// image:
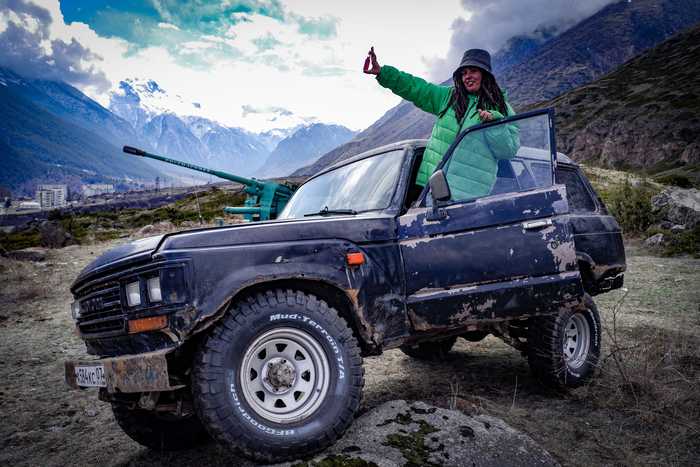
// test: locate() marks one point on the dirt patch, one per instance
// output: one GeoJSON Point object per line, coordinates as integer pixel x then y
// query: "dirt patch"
{"type": "Point", "coordinates": [651, 416]}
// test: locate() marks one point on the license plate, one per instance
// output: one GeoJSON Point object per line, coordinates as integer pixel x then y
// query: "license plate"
{"type": "Point", "coordinates": [90, 376]}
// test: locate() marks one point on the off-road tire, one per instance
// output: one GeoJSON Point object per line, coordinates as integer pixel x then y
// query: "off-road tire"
{"type": "Point", "coordinates": [160, 431]}
{"type": "Point", "coordinates": [547, 336]}
{"type": "Point", "coordinates": [431, 351]}
{"type": "Point", "coordinates": [234, 419]}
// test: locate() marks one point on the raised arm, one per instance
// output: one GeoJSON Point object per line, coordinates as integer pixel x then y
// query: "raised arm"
{"type": "Point", "coordinates": [429, 97]}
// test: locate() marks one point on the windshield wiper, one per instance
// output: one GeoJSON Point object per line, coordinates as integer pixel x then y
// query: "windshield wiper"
{"type": "Point", "coordinates": [331, 212]}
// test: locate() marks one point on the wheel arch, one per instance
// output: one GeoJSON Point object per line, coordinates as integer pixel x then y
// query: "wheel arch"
{"type": "Point", "coordinates": [344, 301]}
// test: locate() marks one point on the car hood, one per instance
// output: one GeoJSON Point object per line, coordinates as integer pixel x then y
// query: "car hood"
{"type": "Point", "coordinates": [361, 228]}
{"type": "Point", "coordinates": [132, 252]}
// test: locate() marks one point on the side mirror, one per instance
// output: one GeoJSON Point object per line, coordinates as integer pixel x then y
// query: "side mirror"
{"type": "Point", "coordinates": [440, 192]}
{"type": "Point", "coordinates": [439, 188]}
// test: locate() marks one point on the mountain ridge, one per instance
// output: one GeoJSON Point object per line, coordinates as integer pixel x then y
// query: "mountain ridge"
{"type": "Point", "coordinates": [42, 147]}
{"type": "Point", "coordinates": [302, 147]}
{"type": "Point", "coordinates": [632, 118]}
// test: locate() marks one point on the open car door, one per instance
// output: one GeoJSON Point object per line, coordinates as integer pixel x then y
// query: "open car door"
{"type": "Point", "coordinates": [503, 254]}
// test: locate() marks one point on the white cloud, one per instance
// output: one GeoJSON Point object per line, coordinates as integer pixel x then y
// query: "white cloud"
{"type": "Point", "coordinates": [314, 79]}
{"type": "Point", "coordinates": [493, 22]}
{"type": "Point", "coordinates": [168, 26]}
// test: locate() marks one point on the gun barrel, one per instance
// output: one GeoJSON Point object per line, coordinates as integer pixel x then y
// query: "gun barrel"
{"type": "Point", "coordinates": [217, 173]}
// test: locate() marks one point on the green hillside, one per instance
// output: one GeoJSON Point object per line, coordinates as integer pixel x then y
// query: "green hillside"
{"type": "Point", "coordinates": [644, 116]}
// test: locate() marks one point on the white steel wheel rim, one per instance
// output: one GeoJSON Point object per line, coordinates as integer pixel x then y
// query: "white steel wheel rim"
{"type": "Point", "coordinates": [577, 340]}
{"type": "Point", "coordinates": [285, 375]}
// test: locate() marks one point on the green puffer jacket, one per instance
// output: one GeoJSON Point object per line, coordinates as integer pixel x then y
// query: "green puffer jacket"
{"type": "Point", "coordinates": [473, 167]}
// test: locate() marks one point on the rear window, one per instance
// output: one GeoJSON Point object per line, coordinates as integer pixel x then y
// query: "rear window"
{"type": "Point", "coordinates": [576, 193]}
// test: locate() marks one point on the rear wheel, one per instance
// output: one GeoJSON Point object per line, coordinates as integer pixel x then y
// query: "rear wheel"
{"type": "Point", "coordinates": [563, 350]}
{"type": "Point", "coordinates": [279, 378]}
{"type": "Point", "coordinates": [432, 351]}
{"type": "Point", "coordinates": [160, 431]}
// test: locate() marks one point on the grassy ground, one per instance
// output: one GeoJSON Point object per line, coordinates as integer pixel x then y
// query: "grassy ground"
{"type": "Point", "coordinates": [643, 409]}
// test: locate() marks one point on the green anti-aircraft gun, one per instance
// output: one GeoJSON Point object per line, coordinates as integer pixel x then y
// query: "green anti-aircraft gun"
{"type": "Point", "coordinates": [265, 200]}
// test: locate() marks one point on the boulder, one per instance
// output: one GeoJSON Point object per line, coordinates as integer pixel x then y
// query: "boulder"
{"type": "Point", "coordinates": [655, 240]}
{"type": "Point", "coordinates": [29, 254]}
{"type": "Point", "coordinates": [678, 206]}
{"type": "Point", "coordinates": [145, 230]}
{"type": "Point", "coordinates": [399, 433]}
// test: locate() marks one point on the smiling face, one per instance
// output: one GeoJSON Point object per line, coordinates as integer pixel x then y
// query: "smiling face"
{"type": "Point", "coordinates": [471, 77]}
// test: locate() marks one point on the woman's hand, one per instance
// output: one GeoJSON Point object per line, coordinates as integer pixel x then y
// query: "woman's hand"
{"type": "Point", "coordinates": [371, 60]}
{"type": "Point", "coordinates": [485, 116]}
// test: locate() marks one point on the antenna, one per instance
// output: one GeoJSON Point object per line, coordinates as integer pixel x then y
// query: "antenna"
{"type": "Point", "coordinates": [199, 211]}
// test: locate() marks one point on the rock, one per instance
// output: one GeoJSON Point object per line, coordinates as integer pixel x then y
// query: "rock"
{"type": "Point", "coordinates": [158, 227]}
{"type": "Point", "coordinates": [399, 433]}
{"type": "Point", "coordinates": [678, 205]}
{"type": "Point", "coordinates": [655, 240]}
{"type": "Point", "coordinates": [164, 226]}
{"type": "Point", "coordinates": [145, 230]}
{"type": "Point", "coordinates": [677, 228]}
{"type": "Point", "coordinates": [29, 254]}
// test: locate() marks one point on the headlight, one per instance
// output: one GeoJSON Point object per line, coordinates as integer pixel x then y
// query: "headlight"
{"type": "Point", "coordinates": [154, 293]}
{"type": "Point", "coordinates": [75, 310]}
{"type": "Point", "coordinates": [133, 294]}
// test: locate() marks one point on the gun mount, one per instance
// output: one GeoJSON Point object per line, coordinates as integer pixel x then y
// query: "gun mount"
{"type": "Point", "coordinates": [265, 200]}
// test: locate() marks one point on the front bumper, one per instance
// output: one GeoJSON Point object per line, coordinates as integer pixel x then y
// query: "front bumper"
{"type": "Point", "coordinates": [129, 373]}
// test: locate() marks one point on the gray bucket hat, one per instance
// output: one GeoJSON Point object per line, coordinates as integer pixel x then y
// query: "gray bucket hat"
{"type": "Point", "coordinates": [475, 57]}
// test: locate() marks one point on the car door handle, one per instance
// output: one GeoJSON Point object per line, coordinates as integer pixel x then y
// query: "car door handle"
{"type": "Point", "coordinates": [537, 224]}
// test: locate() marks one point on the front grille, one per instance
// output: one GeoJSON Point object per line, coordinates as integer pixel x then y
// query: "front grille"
{"type": "Point", "coordinates": [101, 310]}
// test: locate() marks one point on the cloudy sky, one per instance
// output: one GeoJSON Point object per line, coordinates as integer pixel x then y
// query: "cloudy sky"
{"type": "Point", "coordinates": [261, 64]}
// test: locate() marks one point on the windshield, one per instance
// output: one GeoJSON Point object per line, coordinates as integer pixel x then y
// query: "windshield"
{"type": "Point", "coordinates": [365, 185]}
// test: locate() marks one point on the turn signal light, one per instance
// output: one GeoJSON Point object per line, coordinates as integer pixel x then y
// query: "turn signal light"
{"type": "Point", "coordinates": [147, 324]}
{"type": "Point", "coordinates": [355, 259]}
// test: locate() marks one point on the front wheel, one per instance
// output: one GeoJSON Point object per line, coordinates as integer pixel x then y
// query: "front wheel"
{"type": "Point", "coordinates": [563, 349]}
{"type": "Point", "coordinates": [279, 377]}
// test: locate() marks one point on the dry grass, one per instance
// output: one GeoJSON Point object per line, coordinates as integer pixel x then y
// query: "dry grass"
{"type": "Point", "coordinates": [649, 379]}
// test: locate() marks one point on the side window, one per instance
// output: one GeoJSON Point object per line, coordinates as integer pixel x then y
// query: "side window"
{"type": "Point", "coordinates": [504, 158]}
{"type": "Point", "coordinates": [576, 193]}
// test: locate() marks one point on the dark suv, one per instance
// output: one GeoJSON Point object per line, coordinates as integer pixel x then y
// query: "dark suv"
{"type": "Point", "coordinates": [254, 334]}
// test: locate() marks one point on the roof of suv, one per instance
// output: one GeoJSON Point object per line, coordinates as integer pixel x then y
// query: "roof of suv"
{"type": "Point", "coordinates": [524, 151]}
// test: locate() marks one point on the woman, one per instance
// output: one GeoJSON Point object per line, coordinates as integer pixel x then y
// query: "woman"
{"type": "Point", "coordinates": [475, 98]}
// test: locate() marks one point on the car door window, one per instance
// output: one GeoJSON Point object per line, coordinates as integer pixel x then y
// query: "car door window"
{"type": "Point", "coordinates": [507, 157]}
{"type": "Point", "coordinates": [576, 193]}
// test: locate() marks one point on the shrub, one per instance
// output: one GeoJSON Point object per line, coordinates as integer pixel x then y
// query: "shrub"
{"type": "Point", "coordinates": [631, 206]}
{"type": "Point", "coordinates": [19, 240]}
{"type": "Point", "coordinates": [678, 180]}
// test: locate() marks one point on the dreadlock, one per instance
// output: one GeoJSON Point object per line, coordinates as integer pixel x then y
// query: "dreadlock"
{"type": "Point", "coordinates": [490, 96]}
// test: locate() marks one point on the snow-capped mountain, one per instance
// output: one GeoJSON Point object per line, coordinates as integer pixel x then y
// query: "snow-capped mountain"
{"type": "Point", "coordinates": [171, 126]}
{"type": "Point", "coordinates": [174, 127]}
{"type": "Point", "coordinates": [138, 100]}
{"type": "Point", "coordinates": [303, 147]}
{"type": "Point", "coordinates": [232, 149]}
{"type": "Point", "coordinates": [271, 138]}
